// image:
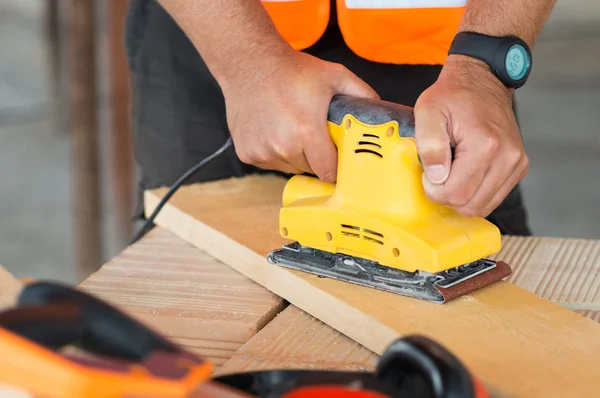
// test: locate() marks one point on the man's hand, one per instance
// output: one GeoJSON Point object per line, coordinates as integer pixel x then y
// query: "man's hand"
{"type": "Point", "coordinates": [470, 110]}
{"type": "Point", "coordinates": [276, 98]}
{"type": "Point", "coordinates": [278, 115]}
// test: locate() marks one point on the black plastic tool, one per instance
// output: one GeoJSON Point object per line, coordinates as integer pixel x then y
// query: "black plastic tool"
{"type": "Point", "coordinates": [54, 315]}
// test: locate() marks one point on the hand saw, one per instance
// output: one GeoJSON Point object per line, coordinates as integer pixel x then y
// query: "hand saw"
{"type": "Point", "coordinates": [118, 357]}
{"type": "Point", "coordinates": [375, 226]}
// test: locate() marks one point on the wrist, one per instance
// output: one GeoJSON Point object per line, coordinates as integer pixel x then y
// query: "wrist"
{"type": "Point", "coordinates": [250, 62]}
{"type": "Point", "coordinates": [468, 70]}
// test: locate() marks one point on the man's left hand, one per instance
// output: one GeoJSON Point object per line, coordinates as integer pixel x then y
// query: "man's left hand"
{"type": "Point", "coordinates": [469, 109]}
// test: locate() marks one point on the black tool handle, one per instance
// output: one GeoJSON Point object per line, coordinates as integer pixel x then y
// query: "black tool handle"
{"type": "Point", "coordinates": [55, 315]}
{"type": "Point", "coordinates": [373, 112]}
{"type": "Point", "coordinates": [52, 326]}
{"type": "Point", "coordinates": [428, 366]}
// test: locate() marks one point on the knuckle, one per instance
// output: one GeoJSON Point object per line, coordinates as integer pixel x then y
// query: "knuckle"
{"type": "Point", "coordinates": [285, 148]}
{"type": "Point", "coordinates": [432, 146]}
{"type": "Point", "coordinates": [525, 161]}
{"type": "Point", "coordinates": [281, 149]}
{"type": "Point", "coordinates": [339, 68]}
{"type": "Point", "coordinates": [244, 156]}
{"type": "Point", "coordinates": [304, 131]}
{"type": "Point", "coordinates": [458, 198]}
{"type": "Point", "coordinates": [468, 212]}
{"type": "Point", "coordinates": [514, 156]}
{"type": "Point", "coordinates": [437, 196]}
{"type": "Point", "coordinates": [491, 144]}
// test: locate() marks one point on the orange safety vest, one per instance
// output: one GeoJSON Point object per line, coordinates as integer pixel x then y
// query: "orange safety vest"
{"type": "Point", "coordinates": [388, 31]}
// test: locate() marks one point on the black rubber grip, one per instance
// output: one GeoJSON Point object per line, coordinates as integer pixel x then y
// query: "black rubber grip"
{"type": "Point", "coordinates": [51, 326]}
{"type": "Point", "coordinates": [372, 112]}
{"type": "Point", "coordinates": [55, 315]}
{"type": "Point", "coordinates": [428, 365]}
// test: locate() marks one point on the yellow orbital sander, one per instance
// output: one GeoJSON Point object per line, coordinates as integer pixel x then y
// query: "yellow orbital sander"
{"type": "Point", "coordinates": [375, 226]}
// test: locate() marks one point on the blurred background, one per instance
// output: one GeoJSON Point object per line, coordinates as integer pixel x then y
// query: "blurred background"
{"type": "Point", "coordinates": [67, 175]}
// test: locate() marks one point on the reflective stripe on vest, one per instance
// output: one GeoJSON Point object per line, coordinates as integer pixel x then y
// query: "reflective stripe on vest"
{"type": "Point", "coordinates": [388, 31]}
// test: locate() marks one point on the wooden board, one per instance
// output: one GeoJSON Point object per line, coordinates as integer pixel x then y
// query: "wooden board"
{"type": "Point", "coordinates": [516, 341]}
{"type": "Point", "coordinates": [296, 340]}
{"type": "Point", "coordinates": [189, 296]}
{"type": "Point", "coordinates": [9, 289]}
{"type": "Point", "coordinates": [565, 271]}
{"type": "Point", "coordinates": [593, 315]}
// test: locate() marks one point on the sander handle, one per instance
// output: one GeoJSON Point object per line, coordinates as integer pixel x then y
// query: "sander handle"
{"type": "Point", "coordinates": [373, 112]}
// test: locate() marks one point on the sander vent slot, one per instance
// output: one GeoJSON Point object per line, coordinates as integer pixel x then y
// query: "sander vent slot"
{"type": "Point", "coordinates": [370, 136]}
{"type": "Point", "coordinates": [354, 232]}
{"type": "Point", "coordinates": [372, 240]}
{"type": "Point", "coordinates": [369, 151]}
{"type": "Point", "coordinates": [369, 143]}
{"type": "Point", "coordinates": [348, 230]}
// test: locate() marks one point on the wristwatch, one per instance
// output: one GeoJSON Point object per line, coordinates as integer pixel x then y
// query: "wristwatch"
{"type": "Point", "coordinates": [508, 57]}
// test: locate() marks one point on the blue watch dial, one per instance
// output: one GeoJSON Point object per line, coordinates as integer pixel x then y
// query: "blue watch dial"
{"type": "Point", "coordinates": [517, 62]}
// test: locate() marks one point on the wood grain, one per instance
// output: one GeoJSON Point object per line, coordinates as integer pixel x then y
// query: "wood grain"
{"type": "Point", "coordinates": [9, 289]}
{"type": "Point", "coordinates": [296, 340]}
{"type": "Point", "coordinates": [185, 294]}
{"type": "Point", "coordinates": [566, 271]}
{"type": "Point", "coordinates": [593, 315]}
{"type": "Point", "coordinates": [515, 340]}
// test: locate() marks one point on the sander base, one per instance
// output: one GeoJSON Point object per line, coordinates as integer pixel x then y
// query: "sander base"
{"type": "Point", "coordinates": [438, 287]}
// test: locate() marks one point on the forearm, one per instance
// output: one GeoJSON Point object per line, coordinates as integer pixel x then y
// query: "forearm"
{"type": "Point", "coordinates": [233, 37]}
{"type": "Point", "coordinates": [522, 18]}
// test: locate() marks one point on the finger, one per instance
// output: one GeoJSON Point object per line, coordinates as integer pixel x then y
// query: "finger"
{"type": "Point", "coordinates": [504, 191]}
{"type": "Point", "coordinates": [300, 162]}
{"type": "Point", "coordinates": [433, 142]}
{"type": "Point", "coordinates": [321, 155]}
{"type": "Point", "coordinates": [280, 165]}
{"type": "Point", "coordinates": [349, 84]}
{"type": "Point", "coordinates": [497, 183]}
{"type": "Point", "coordinates": [472, 161]}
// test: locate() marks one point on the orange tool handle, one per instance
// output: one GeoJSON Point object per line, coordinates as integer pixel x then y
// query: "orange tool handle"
{"type": "Point", "coordinates": [129, 359]}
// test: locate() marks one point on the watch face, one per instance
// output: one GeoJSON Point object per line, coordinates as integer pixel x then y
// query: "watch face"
{"type": "Point", "coordinates": [517, 62]}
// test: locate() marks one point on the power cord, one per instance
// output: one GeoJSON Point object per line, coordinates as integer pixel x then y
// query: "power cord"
{"type": "Point", "coordinates": [176, 185]}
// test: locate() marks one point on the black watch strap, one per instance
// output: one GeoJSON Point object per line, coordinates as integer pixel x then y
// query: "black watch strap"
{"type": "Point", "coordinates": [508, 57]}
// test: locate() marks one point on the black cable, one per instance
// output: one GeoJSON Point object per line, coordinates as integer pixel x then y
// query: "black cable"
{"type": "Point", "coordinates": [176, 185]}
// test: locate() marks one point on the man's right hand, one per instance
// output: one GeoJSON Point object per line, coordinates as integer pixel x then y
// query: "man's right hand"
{"type": "Point", "coordinates": [278, 117]}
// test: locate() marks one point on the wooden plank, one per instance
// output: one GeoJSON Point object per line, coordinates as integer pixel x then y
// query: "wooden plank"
{"type": "Point", "coordinates": [9, 288]}
{"type": "Point", "coordinates": [517, 341]}
{"type": "Point", "coordinates": [296, 340]}
{"type": "Point", "coordinates": [185, 294]}
{"type": "Point", "coordinates": [593, 315]}
{"type": "Point", "coordinates": [566, 271]}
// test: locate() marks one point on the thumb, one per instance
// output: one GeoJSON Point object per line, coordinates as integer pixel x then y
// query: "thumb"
{"type": "Point", "coordinates": [349, 84]}
{"type": "Point", "coordinates": [433, 142]}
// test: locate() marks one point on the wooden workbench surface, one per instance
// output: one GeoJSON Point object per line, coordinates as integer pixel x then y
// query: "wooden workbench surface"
{"type": "Point", "coordinates": [193, 299]}
{"type": "Point", "coordinates": [506, 332]}
{"type": "Point", "coordinates": [210, 308]}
